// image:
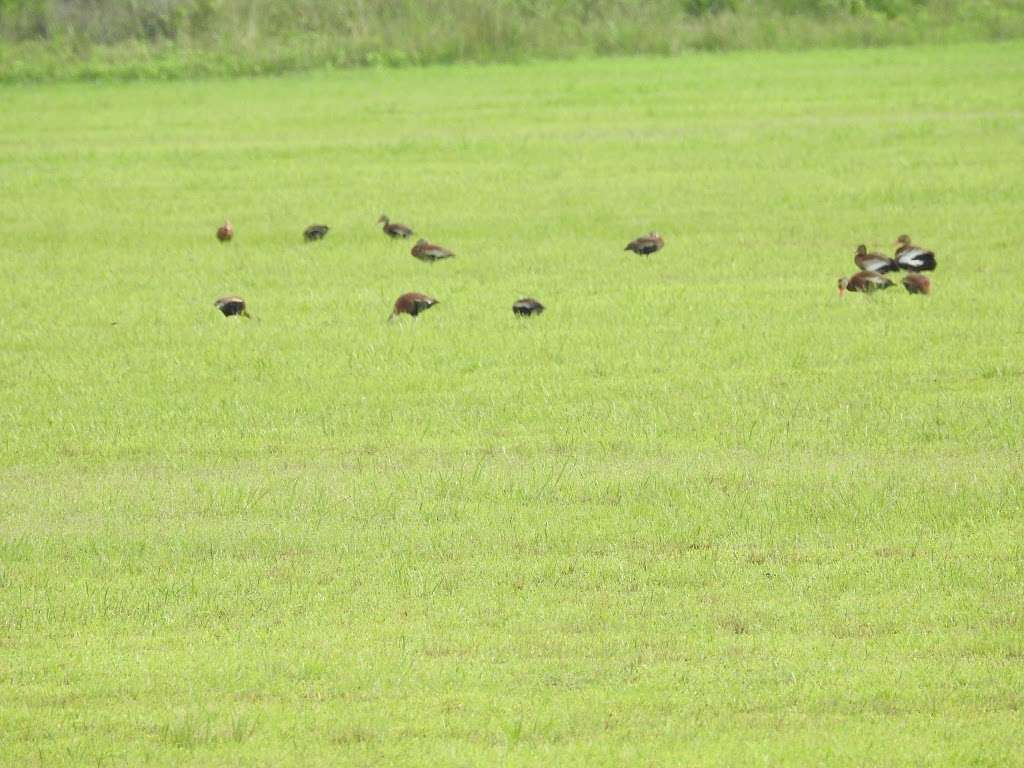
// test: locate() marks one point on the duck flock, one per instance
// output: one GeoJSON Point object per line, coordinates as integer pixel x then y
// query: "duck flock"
{"type": "Point", "coordinates": [908, 257]}
{"type": "Point", "coordinates": [873, 268]}
{"type": "Point", "coordinates": [413, 303]}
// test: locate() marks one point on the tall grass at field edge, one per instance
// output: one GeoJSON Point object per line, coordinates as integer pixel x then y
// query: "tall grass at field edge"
{"type": "Point", "coordinates": [47, 41]}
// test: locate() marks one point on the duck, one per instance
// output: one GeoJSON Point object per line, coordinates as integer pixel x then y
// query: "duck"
{"type": "Point", "coordinates": [873, 262]}
{"type": "Point", "coordinates": [412, 303]}
{"type": "Point", "coordinates": [231, 306]}
{"type": "Point", "coordinates": [315, 232]}
{"type": "Point", "coordinates": [911, 257]}
{"type": "Point", "coordinates": [527, 307]}
{"type": "Point", "coordinates": [915, 283]}
{"type": "Point", "coordinates": [393, 229]}
{"type": "Point", "coordinates": [864, 282]}
{"type": "Point", "coordinates": [429, 252]}
{"type": "Point", "coordinates": [225, 231]}
{"type": "Point", "coordinates": [647, 244]}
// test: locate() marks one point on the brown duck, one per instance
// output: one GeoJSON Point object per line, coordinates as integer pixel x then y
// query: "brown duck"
{"type": "Point", "coordinates": [393, 229]}
{"type": "Point", "coordinates": [225, 231]}
{"type": "Point", "coordinates": [412, 304]}
{"type": "Point", "coordinates": [864, 282]}
{"type": "Point", "coordinates": [231, 306]}
{"type": "Point", "coordinates": [873, 262]}
{"type": "Point", "coordinates": [911, 257]}
{"type": "Point", "coordinates": [647, 244]}
{"type": "Point", "coordinates": [315, 232]}
{"type": "Point", "coordinates": [429, 252]}
{"type": "Point", "coordinates": [527, 307]}
{"type": "Point", "coordinates": [915, 283]}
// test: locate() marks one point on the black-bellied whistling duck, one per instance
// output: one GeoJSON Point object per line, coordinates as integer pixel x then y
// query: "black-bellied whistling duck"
{"type": "Point", "coordinates": [225, 231]}
{"type": "Point", "coordinates": [315, 232]}
{"type": "Point", "coordinates": [647, 244]}
{"type": "Point", "coordinates": [393, 229]}
{"type": "Point", "coordinates": [412, 304]}
{"type": "Point", "coordinates": [231, 305]}
{"type": "Point", "coordinates": [915, 283]}
{"type": "Point", "coordinates": [873, 262]}
{"type": "Point", "coordinates": [527, 307]}
{"type": "Point", "coordinates": [864, 282]}
{"type": "Point", "coordinates": [911, 257]}
{"type": "Point", "coordinates": [429, 252]}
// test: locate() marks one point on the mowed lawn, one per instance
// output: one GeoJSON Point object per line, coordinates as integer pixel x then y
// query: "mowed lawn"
{"type": "Point", "coordinates": [700, 512]}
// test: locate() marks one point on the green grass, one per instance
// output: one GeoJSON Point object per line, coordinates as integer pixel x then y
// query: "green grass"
{"type": "Point", "coordinates": [700, 512]}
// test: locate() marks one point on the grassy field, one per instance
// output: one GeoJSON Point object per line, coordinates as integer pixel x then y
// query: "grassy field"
{"type": "Point", "coordinates": [700, 512]}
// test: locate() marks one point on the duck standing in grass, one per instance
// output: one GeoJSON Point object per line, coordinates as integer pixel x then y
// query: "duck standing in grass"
{"type": "Point", "coordinates": [225, 231]}
{"type": "Point", "coordinates": [527, 307]}
{"type": "Point", "coordinates": [315, 232]}
{"type": "Point", "coordinates": [429, 252]}
{"type": "Point", "coordinates": [231, 306]}
{"type": "Point", "coordinates": [647, 244]}
{"type": "Point", "coordinates": [412, 303]}
{"type": "Point", "coordinates": [913, 258]}
{"type": "Point", "coordinates": [915, 283]}
{"type": "Point", "coordinates": [393, 229]}
{"type": "Point", "coordinates": [873, 262]}
{"type": "Point", "coordinates": [864, 282]}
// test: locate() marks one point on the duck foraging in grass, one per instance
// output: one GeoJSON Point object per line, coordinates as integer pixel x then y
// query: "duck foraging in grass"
{"type": "Point", "coordinates": [225, 231]}
{"type": "Point", "coordinates": [915, 283]}
{"type": "Point", "coordinates": [527, 307]}
{"type": "Point", "coordinates": [429, 252]}
{"type": "Point", "coordinates": [913, 258]}
{"type": "Point", "coordinates": [315, 232]}
{"type": "Point", "coordinates": [873, 262]}
{"type": "Point", "coordinates": [393, 229]}
{"type": "Point", "coordinates": [231, 306]}
{"type": "Point", "coordinates": [647, 244]}
{"type": "Point", "coordinates": [412, 303]}
{"type": "Point", "coordinates": [864, 282]}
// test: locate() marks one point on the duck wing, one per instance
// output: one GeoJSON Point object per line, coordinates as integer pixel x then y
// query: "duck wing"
{"type": "Point", "coordinates": [915, 259]}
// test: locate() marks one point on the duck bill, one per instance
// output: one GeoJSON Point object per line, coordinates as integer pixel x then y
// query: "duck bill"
{"type": "Point", "coordinates": [842, 293]}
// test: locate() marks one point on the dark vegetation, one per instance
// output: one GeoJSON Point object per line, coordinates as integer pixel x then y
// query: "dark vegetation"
{"type": "Point", "coordinates": [41, 39]}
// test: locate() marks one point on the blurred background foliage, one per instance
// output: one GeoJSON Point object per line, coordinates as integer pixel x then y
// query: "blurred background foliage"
{"type": "Point", "coordinates": [161, 38]}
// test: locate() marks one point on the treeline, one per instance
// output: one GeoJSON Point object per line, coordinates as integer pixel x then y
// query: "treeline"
{"type": "Point", "coordinates": [140, 38]}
